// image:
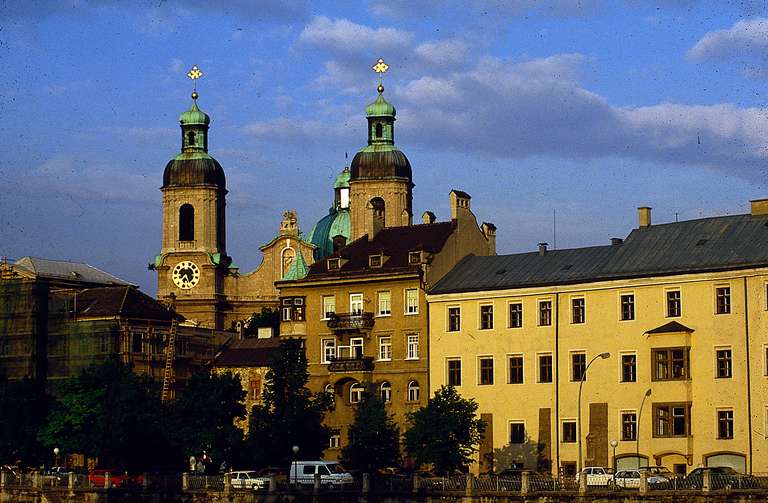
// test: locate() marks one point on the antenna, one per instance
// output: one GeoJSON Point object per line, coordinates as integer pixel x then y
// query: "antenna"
{"type": "Point", "coordinates": [554, 229]}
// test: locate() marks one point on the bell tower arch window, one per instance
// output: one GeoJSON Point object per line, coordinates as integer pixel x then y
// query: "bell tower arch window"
{"type": "Point", "coordinates": [186, 222]}
{"type": "Point", "coordinates": [191, 139]}
{"type": "Point", "coordinates": [379, 130]}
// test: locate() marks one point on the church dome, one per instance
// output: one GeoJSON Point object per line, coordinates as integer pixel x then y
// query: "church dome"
{"type": "Point", "coordinates": [381, 162]}
{"type": "Point", "coordinates": [380, 107]}
{"type": "Point", "coordinates": [335, 223]}
{"type": "Point", "coordinates": [194, 168]}
{"type": "Point", "coordinates": [194, 116]}
{"type": "Point", "coordinates": [342, 181]}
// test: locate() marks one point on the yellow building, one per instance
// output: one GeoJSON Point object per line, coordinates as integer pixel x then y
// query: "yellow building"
{"type": "Point", "coordinates": [673, 321]}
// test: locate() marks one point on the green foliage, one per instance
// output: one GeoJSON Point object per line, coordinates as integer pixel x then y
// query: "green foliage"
{"type": "Point", "coordinates": [202, 416]}
{"type": "Point", "coordinates": [23, 409]}
{"type": "Point", "coordinates": [289, 415]}
{"type": "Point", "coordinates": [110, 413]}
{"type": "Point", "coordinates": [267, 318]}
{"type": "Point", "coordinates": [445, 432]}
{"type": "Point", "coordinates": [374, 438]}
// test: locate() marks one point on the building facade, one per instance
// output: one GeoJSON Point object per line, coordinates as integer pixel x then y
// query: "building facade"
{"type": "Point", "coordinates": [671, 323]}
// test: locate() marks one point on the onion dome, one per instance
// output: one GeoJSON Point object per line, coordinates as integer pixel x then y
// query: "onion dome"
{"type": "Point", "coordinates": [342, 181]}
{"type": "Point", "coordinates": [380, 107]}
{"type": "Point", "coordinates": [336, 223]}
{"type": "Point", "coordinates": [194, 116]}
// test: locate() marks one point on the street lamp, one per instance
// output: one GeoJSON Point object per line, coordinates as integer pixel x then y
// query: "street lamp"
{"type": "Point", "coordinates": [614, 444]}
{"type": "Point", "coordinates": [295, 450]}
{"type": "Point", "coordinates": [602, 356]}
{"type": "Point", "coordinates": [637, 433]}
{"type": "Point", "coordinates": [56, 452]}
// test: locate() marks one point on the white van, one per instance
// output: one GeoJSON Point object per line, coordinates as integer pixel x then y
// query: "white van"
{"type": "Point", "coordinates": [331, 473]}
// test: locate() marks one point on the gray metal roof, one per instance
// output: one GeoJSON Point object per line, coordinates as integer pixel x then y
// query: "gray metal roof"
{"type": "Point", "coordinates": [72, 271]}
{"type": "Point", "coordinates": [707, 244]}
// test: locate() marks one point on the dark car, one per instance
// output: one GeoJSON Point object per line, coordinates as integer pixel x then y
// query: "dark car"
{"type": "Point", "coordinates": [722, 477]}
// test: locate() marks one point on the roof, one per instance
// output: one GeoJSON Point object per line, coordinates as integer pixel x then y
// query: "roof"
{"type": "Point", "coordinates": [380, 107]}
{"type": "Point", "coordinates": [671, 327]}
{"type": "Point", "coordinates": [65, 270]}
{"type": "Point", "coordinates": [335, 223]}
{"type": "Point", "coordinates": [194, 116]}
{"type": "Point", "coordinates": [251, 352]}
{"type": "Point", "coordinates": [380, 161]}
{"type": "Point", "coordinates": [392, 242]}
{"type": "Point", "coordinates": [707, 244]}
{"type": "Point", "coordinates": [298, 269]}
{"type": "Point", "coordinates": [194, 168]}
{"type": "Point", "coordinates": [123, 301]}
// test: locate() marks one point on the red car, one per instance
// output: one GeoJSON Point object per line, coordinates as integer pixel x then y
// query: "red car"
{"type": "Point", "coordinates": [98, 477]}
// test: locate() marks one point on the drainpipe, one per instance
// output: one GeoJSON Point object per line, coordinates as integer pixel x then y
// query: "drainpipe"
{"type": "Point", "coordinates": [749, 375]}
{"type": "Point", "coordinates": [557, 382]}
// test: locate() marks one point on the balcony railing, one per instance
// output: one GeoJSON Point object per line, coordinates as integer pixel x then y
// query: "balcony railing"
{"type": "Point", "coordinates": [351, 321]}
{"type": "Point", "coordinates": [351, 364]}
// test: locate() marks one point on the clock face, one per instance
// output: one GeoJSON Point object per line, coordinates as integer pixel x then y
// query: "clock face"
{"type": "Point", "coordinates": [186, 275]}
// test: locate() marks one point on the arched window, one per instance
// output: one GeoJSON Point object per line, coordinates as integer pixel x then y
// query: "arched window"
{"type": "Point", "coordinates": [378, 206]}
{"type": "Point", "coordinates": [413, 391]}
{"type": "Point", "coordinates": [379, 130]}
{"type": "Point", "coordinates": [191, 139]}
{"type": "Point", "coordinates": [289, 254]}
{"type": "Point", "coordinates": [330, 392]}
{"type": "Point", "coordinates": [355, 393]}
{"type": "Point", "coordinates": [186, 223]}
{"type": "Point", "coordinates": [386, 392]}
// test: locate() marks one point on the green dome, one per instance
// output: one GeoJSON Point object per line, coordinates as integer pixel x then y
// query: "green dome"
{"type": "Point", "coordinates": [380, 107]}
{"type": "Point", "coordinates": [194, 116]}
{"type": "Point", "coordinates": [342, 181]}
{"type": "Point", "coordinates": [335, 223]}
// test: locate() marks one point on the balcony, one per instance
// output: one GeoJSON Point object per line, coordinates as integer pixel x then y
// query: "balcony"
{"type": "Point", "coordinates": [351, 364]}
{"type": "Point", "coordinates": [350, 322]}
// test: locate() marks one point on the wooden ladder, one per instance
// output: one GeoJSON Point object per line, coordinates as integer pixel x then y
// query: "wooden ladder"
{"type": "Point", "coordinates": [170, 357]}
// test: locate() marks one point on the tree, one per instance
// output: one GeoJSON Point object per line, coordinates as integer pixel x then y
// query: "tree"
{"type": "Point", "coordinates": [110, 413]}
{"type": "Point", "coordinates": [445, 432]}
{"type": "Point", "coordinates": [24, 406]}
{"type": "Point", "coordinates": [290, 414]}
{"type": "Point", "coordinates": [374, 438]}
{"type": "Point", "coordinates": [202, 416]}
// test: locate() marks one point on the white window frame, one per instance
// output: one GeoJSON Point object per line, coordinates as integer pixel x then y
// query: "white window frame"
{"type": "Point", "coordinates": [385, 392]}
{"type": "Point", "coordinates": [356, 342]}
{"type": "Point", "coordinates": [622, 354]}
{"type": "Point", "coordinates": [448, 361]}
{"type": "Point", "coordinates": [562, 429]}
{"type": "Point", "coordinates": [412, 347]}
{"type": "Point", "coordinates": [355, 392]}
{"type": "Point", "coordinates": [334, 441]}
{"type": "Point", "coordinates": [448, 318]}
{"type": "Point", "coordinates": [621, 425]}
{"type": "Point", "coordinates": [509, 430]}
{"type": "Point", "coordinates": [325, 312]}
{"type": "Point", "coordinates": [411, 309]}
{"type": "Point", "coordinates": [356, 299]}
{"type": "Point", "coordinates": [538, 367]}
{"type": "Point", "coordinates": [718, 410]}
{"type": "Point", "coordinates": [385, 342]}
{"type": "Point", "coordinates": [324, 346]}
{"type": "Point", "coordinates": [414, 391]}
{"type": "Point", "coordinates": [384, 297]}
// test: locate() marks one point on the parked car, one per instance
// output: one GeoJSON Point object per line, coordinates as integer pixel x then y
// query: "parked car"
{"type": "Point", "coordinates": [630, 479]}
{"type": "Point", "coordinates": [117, 478]}
{"type": "Point", "coordinates": [331, 474]}
{"type": "Point", "coordinates": [723, 477]}
{"type": "Point", "coordinates": [55, 475]}
{"type": "Point", "coordinates": [248, 479]}
{"type": "Point", "coordinates": [278, 473]}
{"type": "Point", "coordinates": [597, 476]}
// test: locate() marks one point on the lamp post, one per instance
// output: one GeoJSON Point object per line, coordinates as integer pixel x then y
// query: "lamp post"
{"type": "Point", "coordinates": [637, 433]}
{"type": "Point", "coordinates": [602, 356]}
{"type": "Point", "coordinates": [56, 452]}
{"type": "Point", "coordinates": [614, 444]}
{"type": "Point", "coordinates": [295, 450]}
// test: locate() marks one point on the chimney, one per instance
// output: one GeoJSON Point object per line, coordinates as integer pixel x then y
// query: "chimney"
{"type": "Point", "coordinates": [339, 242]}
{"type": "Point", "coordinates": [459, 203]}
{"type": "Point", "coordinates": [489, 230]}
{"type": "Point", "coordinates": [616, 241]}
{"type": "Point", "coordinates": [428, 217]}
{"type": "Point", "coordinates": [759, 207]}
{"type": "Point", "coordinates": [542, 249]}
{"type": "Point", "coordinates": [644, 216]}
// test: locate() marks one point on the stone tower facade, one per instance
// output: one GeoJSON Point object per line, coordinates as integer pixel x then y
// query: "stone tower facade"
{"type": "Point", "coordinates": [381, 186]}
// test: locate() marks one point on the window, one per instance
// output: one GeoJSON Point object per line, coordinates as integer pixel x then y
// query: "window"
{"type": "Point", "coordinates": [628, 368]}
{"type": "Point", "coordinates": [723, 300]}
{"type": "Point", "coordinates": [412, 349]}
{"type": "Point", "coordinates": [674, 308]}
{"type": "Point", "coordinates": [414, 258]}
{"type": "Point", "coordinates": [516, 369]}
{"type": "Point", "coordinates": [334, 441]}
{"type": "Point", "coordinates": [356, 303]}
{"type": "Point", "coordinates": [517, 433]}
{"type": "Point", "coordinates": [413, 391]}
{"type": "Point", "coordinates": [379, 130]}
{"type": "Point", "coordinates": [516, 315]}
{"type": "Point", "coordinates": [355, 393]}
{"type": "Point", "coordinates": [186, 223]}
{"type": "Point", "coordinates": [454, 371]}
{"type": "Point", "coordinates": [486, 370]}
{"type": "Point", "coordinates": [724, 424]}
{"type": "Point", "coordinates": [385, 348]}
{"type": "Point", "coordinates": [578, 310]}
{"type": "Point", "coordinates": [329, 306]}
{"type": "Point", "coordinates": [329, 350]}
{"type": "Point", "coordinates": [578, 366]}
{"type": "Point", "coordinates": [671, 420]}
{"type": "Point", "coordinates": [724, 363]}
{"type": "Point", "coordinates": [292, 308]}
{"type": "Point", "coordinates": [333, 264]}
{"type": "Point", "coordinates": [412, 301]}
{"type": "Point", "coordinates": [386, 392]}
{"type": "Point", "coordinates": [545, 368]}
{"type": "Point", "coordinates": [374, 261]}
{"type": "Point", "coordinates": [627, 307]}
{"type": "Point", "coordinates": [628, 426]}
{"type": "Point", "coordinates": [569, 431]}
{"type": "Point", "coordinates": [356, 347]}
{"type": "Point", "coordinates": [136, 344]}
{"type": "Point", "coordinates": [545, 313]}
{"type": "Point", "coordinates": [254, 388]}
{"type": "Point", "coordinates": [454, 319]}
{"type": "Point", "coordinates": [670, 364]}
{"type": "Point", "coordinates": [486, 317]}
{"type": "Point", "coordinates": [385, 303]}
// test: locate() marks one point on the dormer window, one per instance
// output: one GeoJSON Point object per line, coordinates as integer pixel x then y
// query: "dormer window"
{"type": "Point", "coordinates": [414, 258]}
{"type": "Point", "coordinates": [374, 260]}
{"type": "Point", "coordinates": [333, 264]}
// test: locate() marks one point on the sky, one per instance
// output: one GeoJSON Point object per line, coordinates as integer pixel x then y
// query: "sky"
{"type": "Point", "coordinates": [559, 117]}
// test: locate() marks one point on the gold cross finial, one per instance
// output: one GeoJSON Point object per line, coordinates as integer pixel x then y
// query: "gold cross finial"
{"type": "Point", "coordinates": [380, 66]}
{"type": "Point", "coordinates": [194, 73]}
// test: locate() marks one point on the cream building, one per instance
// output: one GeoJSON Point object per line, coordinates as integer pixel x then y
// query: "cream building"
{"type": "Point", "coordinates": [681, 309]}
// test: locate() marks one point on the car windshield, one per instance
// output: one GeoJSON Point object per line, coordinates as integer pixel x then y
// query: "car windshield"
{"type": "Point", "coordinates": [335, 468]}
{"type": "Point", "coordinates": [251, 475]}
{"type": "Point", "coordinates": [726, 470]}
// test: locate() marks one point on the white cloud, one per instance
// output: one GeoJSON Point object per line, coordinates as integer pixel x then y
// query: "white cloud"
{"type": "Point", "coordinates": [448, 52]}
{"type": "Point", "coordinates": [746, 38]}
{"type": "Point", "coordinates": [341, 36]}
{"type": "Point", "coordinates": [176, 65]}
{"type": "Point", "coordinates": [296, 131]}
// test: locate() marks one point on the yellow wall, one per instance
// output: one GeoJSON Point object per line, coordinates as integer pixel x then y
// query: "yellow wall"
{"type": "Point", "coordinates": [603, 331]}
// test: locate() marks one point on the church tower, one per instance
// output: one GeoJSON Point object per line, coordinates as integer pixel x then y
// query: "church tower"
{"type": "Point", "coordinates": [381, 186]}
{"type": "Point", "coordinates": [193, 259]}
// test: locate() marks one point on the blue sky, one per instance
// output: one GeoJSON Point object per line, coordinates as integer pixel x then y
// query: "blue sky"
{"type": "Point", "coordinates": [589, 108]}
